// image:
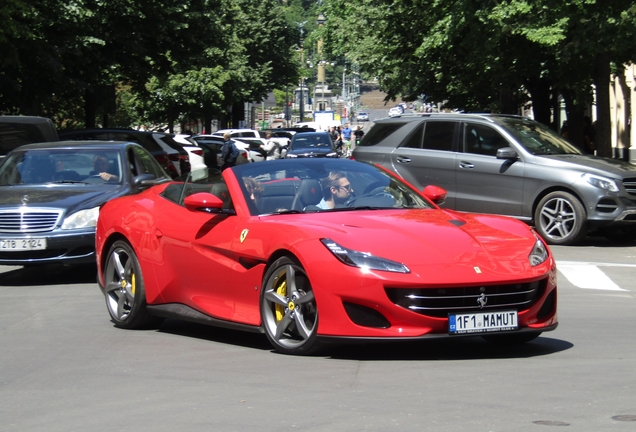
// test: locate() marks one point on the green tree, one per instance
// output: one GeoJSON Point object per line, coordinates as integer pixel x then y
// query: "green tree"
{"type": "Point", "coordinates": [485, 55]}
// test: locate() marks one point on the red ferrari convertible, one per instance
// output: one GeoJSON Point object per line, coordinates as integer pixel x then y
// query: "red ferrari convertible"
{"type": "Point", "coordinates": [316, 250]}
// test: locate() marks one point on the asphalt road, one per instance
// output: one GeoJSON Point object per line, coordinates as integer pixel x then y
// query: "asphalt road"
{"type": "Point", "coordinates": [65, 367]}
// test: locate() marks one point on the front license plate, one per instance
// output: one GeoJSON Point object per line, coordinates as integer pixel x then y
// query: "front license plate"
{"type": "Point", "coordinates": [482, 322]}
{"type": "Point", "coordinates": [26, 244]}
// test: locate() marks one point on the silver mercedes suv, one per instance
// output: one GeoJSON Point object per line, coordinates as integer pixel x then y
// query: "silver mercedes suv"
{"type": "Point", "coordinates": [509, 165]}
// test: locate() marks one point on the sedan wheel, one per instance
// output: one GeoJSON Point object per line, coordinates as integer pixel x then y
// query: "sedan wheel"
{"type": "Point", "coordinates": [560, 219]}
{"type": "Point", "coordinates": [124, 288]}
{"type": "Point", "coordinates": [288, 308]}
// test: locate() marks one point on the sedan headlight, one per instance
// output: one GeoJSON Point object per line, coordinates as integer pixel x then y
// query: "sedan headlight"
{"type": "Point", "coordinates": [81, 219]}
{"type": "Point", "coordinates": [539, 252]}
{"type": "Point", "coordinates": [601, 182]}
{"type": "Point", "coordinates": [363, 260]}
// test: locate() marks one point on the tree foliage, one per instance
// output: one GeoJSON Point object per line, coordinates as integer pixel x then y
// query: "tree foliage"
{"type": "Point", "coordinates": [488, 55]}
{"type": "Point", "coordinates": [162, 60]}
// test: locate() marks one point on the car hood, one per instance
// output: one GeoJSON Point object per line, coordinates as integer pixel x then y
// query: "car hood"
{"type": "Point", "coordinates": [70, 197]}
{"type": "Point", "coordinates": [433, 242]}
{"type": "Point", "coordinates": [600, 165]}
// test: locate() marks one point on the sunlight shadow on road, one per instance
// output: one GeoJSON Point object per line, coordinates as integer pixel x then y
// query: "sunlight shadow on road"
{"type": "Point", "coordinates": [49, 275]}
{"type": "Point", "coordinates": [465, 348]}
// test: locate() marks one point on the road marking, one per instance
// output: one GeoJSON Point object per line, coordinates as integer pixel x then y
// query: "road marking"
{"type": "Point", "coordinates": [589, 276]}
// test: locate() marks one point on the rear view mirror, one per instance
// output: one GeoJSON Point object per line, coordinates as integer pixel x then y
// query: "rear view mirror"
{"type": "Point", "coordinates": [203, 201]}
{"type": "Point", "coordinates": [435, 194]}
{"type": "Point", "coordinates": [507, 153]}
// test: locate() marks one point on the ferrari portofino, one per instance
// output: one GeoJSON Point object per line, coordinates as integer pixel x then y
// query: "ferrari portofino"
{"type": "Point", "coordinates": [310, 251]}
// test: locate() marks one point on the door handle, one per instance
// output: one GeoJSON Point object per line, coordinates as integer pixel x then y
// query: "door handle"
{"type": "Point", "coordinates": [402, 159]}
{"type": "Point", "coordinates": [466, 165]}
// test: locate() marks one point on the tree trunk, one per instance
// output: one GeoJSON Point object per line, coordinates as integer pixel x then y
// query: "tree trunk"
{"type": "Point", "coordinates": [603, 121]}
{"type": "Point", "coordinates": [90, 108]}
{"type": "Point", "coordinates": [575, 120]}
{"type": "Point", "coordinates": [238, 114]}
{"type": "Point", "coordinates": [540, 94]}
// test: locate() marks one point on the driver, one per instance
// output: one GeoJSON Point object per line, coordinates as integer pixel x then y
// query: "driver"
{"type": "Point", "coordinates": [336, 190]}
{"type": "Point", "coordinates": [100, 168]}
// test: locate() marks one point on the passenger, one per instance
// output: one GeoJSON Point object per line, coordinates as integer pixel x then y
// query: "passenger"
{"type": "Point", "coordinates": [254, 188]}
{"type": "Point", "coordinates": [336, 190]}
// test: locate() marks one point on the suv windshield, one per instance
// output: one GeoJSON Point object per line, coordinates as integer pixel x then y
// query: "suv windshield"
{"type": "Point", "coordinates": [538, 139]}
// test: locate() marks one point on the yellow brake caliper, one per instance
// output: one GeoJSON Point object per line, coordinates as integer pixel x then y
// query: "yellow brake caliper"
{"type": "Point", "coordinates": [134, 285]}
{"type": "Point", "coordinates": [280, 309]}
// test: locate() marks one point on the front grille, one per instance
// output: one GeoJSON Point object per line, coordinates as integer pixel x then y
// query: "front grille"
{"type": "Point", "coordinates": [439, 302]}
{"type": "Point", "coordinates": [630, 185]}
{"type": "Point", "coordinates": [627, 202]}
{"type": "Point", "coordinates": [28, 220]}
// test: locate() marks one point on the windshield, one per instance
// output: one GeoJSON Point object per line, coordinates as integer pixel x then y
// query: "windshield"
{"type": "Point", "coordinates": [319, 185]}
{"type": "Point", "coordinates": [310, 141]}
{"type": "Point", "coordinates": [537, 138]}
{"type": "Point", "coordinates": [63, 165]}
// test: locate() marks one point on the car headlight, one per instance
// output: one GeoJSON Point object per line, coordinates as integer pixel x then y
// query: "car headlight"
{"type": "Point", "coordinates": [81, 219]}
{"type": "Point", "coordinates": [539, 252]}
{"type": "Point", "coordinates": [601, 182]}
{"type": "Point", "coordinates": [363, 260]}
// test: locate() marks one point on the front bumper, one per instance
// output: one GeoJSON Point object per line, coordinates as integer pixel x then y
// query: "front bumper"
{"type": "Point", "coordinates": [69, 247]}
{"type": "Point", "coordinates": [353, 303]}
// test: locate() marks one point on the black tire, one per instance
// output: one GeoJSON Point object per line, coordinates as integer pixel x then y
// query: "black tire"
{"type": "Point", "coordinates": [288, 308]}
{"type": "Point", "coordinates": [560, 219]}
{"type": "Point", "coordinates": [124, 289]}
{"type": "Point", "coordinates": [511, 338]}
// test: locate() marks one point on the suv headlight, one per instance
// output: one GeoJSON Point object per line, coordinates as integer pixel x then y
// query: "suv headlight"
{"type": "Point", "coordinates": [363, 260]}
{"type": "Point", "coordinates": [539, 252]}
{"type": "Point", "coordinates": [601, 182]}
{"type": "Point", "coordinates": [81, 219]}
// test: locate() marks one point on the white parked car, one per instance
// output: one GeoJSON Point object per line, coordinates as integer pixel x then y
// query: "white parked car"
{"type": "Point", "coordinates": [249, 133]}
{"type": "Point", "coordinates": [194, 151]}
{"type": "Point", "coordinates": [248, 152]}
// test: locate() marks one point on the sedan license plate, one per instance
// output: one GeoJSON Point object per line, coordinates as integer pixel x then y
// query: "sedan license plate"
{"type": "Point", "coordinates": [26, 244]}
{"type": "Point", "coordinates": [482, 322]}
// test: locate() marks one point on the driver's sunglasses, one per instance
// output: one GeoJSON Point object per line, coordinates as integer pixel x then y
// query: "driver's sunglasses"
{"type": "Point", "coordinates": [347, 187]}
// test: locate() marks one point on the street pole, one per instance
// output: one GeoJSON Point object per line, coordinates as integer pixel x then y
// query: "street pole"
{"type": "Point", "coordinates": [302, 86]}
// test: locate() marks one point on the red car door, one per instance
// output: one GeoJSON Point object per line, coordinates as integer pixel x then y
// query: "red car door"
{"type": "Point", "coordinates": [195, 265]}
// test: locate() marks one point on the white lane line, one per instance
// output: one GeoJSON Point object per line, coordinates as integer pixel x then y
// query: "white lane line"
{"type": "Point", "coordinates": [598, 264]}
{"type": "Point", "coordinates": [588, 276]}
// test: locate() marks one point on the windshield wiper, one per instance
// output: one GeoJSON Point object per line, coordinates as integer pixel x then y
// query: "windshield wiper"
{"type": "Point", "coordinates": [68, 182]}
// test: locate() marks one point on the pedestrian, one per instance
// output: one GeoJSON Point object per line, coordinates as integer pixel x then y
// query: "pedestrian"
{"type": "Point", "coordinates": [359, 133]}
{"type": "Point", "coordinates": [346, 137]}
{"type": "Point", "coordinates": [229, 152]}
{"type": "Point", "coordinates": [271, 147]}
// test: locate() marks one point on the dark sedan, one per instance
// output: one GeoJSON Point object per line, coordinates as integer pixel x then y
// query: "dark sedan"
{"type": "Point", "coordinates": [311, 144]}
{"type": "Point", "coordinates": [51, 195]}
{"type": "Point", "coordinates": [169, 153]}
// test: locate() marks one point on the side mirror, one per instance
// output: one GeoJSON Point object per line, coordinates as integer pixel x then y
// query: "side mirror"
{"type": "Point", "coordinates": [507, 153]}
{"type": "Point", "coordinates": [144, 180]}
{"type": "Point", "coordinates": [435, 194]}
{"type": "Point", "coordinates": [203, 201]}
